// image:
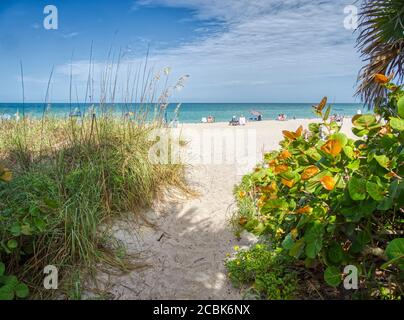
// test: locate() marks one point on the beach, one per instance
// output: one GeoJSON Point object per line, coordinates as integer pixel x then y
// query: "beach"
{"type": "Point", "coordinates": [184, 251]}
{"type": "Point", "coordinates": [268, 132]}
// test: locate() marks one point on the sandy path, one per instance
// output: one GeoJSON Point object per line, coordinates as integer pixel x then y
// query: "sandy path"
{"type": "Point", "coordinates": [186, 253]}
{"type": "Point", "coordinates": [186, 249]}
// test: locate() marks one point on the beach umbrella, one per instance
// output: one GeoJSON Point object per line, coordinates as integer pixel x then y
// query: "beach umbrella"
{"type": "Point", "coordinates": [255, 113]}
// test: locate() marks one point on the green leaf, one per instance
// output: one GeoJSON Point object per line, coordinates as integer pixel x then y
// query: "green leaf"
{"type": "Point", "coordinates": [360, 132]}
{"type": "Point", "coordinates": [332, 276]}
{"type": "Point", "coordinates": [349, 152]}
{"type": "Point", "coordinates": [6, 293]}
{"type": "Point", "coordinates": [364, 121]}
{"type": "Point", "coordinates": [354, 165]}
{"type": "Point", "coordinates": [2, 268]}
{"type": "Point", "coordinates": [314, 239]}
{"type": "Point", "coordinates": [297, 248]}
{"type": "Point", "coordinates": [395, 252]}
{"type": "Point", "coordinates": [5, 175]}
{"type": "Point", "coordinates": [340, 137]}
{"type": "Point", "coordinates": [275, 204]}
{"type": "Point", "coordinates": [357, 188]}
{"type": "Point", "coordinates": [375, 191]}
{"type": "Point", "coordinates": [385, 204]}
{"type": "Point", "coordinates": [11, 281]}
{"type": "Point", "coordinates": [335, 253]}
{"type": "Point", "coordinates": [259, 229]}
{"type": "Point", "coordinates": [250, 225]}
{"type": "Point", "coordinates": [351, 214]}
{"type": "Point", "coordinates": [289, 175]}
{"type": "Point", "coordinates": [388, 202]}
{"type": "Point", "coordinates": [313, 153]}
{"type": "Point", "coordinates": [26, 230]}
{"type": "Point", "coordinates": [15, 230]}
{"type": "Point", "coordinates": [40, 224]}
{"type": "Point", "coordinates": [12, 244]}
{"type": "Point", "coordinates": [21, 290]}
{"type": "Point", "coordinates": [366, 208]}
{"type": "Point", "coordinates": [288, 242]}
{"type": "Point", "coordinates": [311, 186]}
{"type": "Point", "coordinates": [361, 239]}
{"type": "Point", "coordinates": [397, 123]}
{"type": "Point", "coordinates": [382, 160]}
{"type": "Point", "coordinates": [400, 107]}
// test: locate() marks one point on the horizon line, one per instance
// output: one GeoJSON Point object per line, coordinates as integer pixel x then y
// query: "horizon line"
{"type": "Point", "coordinates": [122, 102]}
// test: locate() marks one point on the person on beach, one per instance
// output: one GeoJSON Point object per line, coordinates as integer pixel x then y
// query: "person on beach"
{"type": "Point", "coordinates": [242, 120]}
{"type": "Point", "coordinates": [234, 121]}
{"type": "Point", "coordinates": [281, 117]}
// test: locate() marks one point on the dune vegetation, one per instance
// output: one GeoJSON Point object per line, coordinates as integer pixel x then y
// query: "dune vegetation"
{"type": "Point", "coordinates": [322, 204]}
{"type": "Point", "coordinates": [63, 181]}
{"type": "Point", "coordinates": [329, 209]}
{"type": "Point", "coordinates": [57, 193]}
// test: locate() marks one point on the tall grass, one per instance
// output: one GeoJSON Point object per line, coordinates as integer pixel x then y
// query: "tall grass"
{"type": "Point", "coordinates": [61, 194]}
{"type": "Point", "coordinates": [70, 178]}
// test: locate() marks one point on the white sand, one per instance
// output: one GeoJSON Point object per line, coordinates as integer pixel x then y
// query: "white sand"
{"type": "Point", "coordinates": [186, 254]}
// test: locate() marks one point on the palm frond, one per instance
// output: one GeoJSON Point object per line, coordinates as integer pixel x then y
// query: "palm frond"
{"type": "Point", "coordinates": [381, 43]}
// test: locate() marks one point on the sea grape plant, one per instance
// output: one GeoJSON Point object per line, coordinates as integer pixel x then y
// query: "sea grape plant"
{"type": "Point", "coordinates": [10, 287]}
{"type": "Point", "coordinates": [336, 201]}
{"type": "Point", "coordinates": [5, 174]}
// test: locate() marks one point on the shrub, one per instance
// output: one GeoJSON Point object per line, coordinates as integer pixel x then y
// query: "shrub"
{"type": "Point", "coordinates": [335, 202]}
{"type": "Point", "coordinates": [264, 271]}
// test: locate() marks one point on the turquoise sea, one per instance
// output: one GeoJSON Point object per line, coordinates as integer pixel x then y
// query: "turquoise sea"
{"type": "Point", "coordinates": [188, 112]}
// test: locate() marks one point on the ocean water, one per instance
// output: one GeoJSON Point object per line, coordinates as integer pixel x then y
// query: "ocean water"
{"type": "Point", "coordinates": [188, 112]}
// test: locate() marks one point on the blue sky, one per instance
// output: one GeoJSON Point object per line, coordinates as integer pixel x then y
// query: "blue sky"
{"type": "Point", "coordinates": [233, 50]}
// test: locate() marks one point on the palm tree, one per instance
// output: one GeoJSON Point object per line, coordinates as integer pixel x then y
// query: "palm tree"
{"type": "Point", "coordinates": [381, 43]}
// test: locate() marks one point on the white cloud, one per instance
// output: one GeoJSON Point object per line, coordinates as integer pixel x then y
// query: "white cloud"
{"type": "Point", "coordinates": [266, 50]}
{"type": "Point", "coordinates": [298, 42]}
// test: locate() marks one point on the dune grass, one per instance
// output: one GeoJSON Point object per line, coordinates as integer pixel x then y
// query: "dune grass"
{"type": "Point", "coordinates": [70, 177]}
